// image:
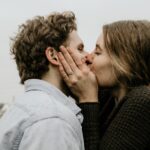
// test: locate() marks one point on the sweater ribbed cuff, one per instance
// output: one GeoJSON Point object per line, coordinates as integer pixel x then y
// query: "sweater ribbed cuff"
{"type": "Point", "coordinates": [90, 111]}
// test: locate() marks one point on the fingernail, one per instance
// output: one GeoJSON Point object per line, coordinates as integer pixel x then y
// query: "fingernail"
{"type": "Point", "coordinates": [61, 47]}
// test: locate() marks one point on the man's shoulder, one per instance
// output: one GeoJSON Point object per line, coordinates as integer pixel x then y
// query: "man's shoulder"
{"type": "Point", "coordinates": [33, 107]}
{"type": "Point", "coordinates": [39, 103]}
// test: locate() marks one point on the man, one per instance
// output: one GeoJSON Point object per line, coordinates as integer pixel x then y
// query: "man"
{"type": "Point", "coordinates": [3, 108]}
{"type": "Point", "coordinates": [43, 118]}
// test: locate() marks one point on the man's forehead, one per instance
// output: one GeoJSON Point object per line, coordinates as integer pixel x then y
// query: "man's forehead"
{"type": "Point", "coordinates": [74, 35]}
{"type": "Point", "coordinates": [75, 39]}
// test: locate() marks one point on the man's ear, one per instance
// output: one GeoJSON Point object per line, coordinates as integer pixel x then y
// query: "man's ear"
{"type": "Point", "coordinates": [51, 55]}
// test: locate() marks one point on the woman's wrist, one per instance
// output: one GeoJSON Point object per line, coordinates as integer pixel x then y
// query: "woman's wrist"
{"type": "Point", "coordinates": [88, 100]}
{"type": "Point", "coordinates": [88, 97]}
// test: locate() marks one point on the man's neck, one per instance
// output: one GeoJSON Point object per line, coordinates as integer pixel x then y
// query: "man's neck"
{"type": "Point", "coordinates": [55, 79]}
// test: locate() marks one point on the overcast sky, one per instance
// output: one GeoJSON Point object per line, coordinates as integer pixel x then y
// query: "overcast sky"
{"type": "Point", "coordinates": [91, 15]}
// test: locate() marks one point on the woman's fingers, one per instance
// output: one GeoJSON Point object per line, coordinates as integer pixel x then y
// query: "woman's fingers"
{"type": "Point", "coordinates": [65, 65]}
{"type": "Point", "coordinates": [80, 62]}
{"type": "Point", "coordinates": [76, 57]}
{"type": "Point", "coordinates": [70, 79]}
{"type": "Point", "coordinates": [72, 56]}
{"type": "Point", "coordinates": [75, 61]}
{"type": "Point", "coordinates": [68, 58]}
{"type": "Point", "coordinates": [63, 73]}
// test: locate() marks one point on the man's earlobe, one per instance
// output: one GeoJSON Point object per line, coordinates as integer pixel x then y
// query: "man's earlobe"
{"type": "Point", "coordinates": [51, 55]}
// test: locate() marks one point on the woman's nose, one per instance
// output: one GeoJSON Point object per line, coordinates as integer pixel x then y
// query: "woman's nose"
{"type": "Point", "coordinates": [89, 58]}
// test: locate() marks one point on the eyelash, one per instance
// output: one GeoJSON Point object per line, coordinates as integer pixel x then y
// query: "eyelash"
{"type": "Point", "coordinates": [97, 53]}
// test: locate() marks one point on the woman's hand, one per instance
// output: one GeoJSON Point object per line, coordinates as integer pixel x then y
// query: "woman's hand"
{"type": "Point", "coordinates": [77, 75]}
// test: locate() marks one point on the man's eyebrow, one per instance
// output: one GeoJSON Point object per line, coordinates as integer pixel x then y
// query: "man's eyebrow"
{"type": "Point", "coordinates": [82, 44]}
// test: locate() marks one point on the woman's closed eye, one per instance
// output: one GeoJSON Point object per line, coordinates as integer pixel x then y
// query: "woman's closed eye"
{"type": "Point", "coordinates": [97, 52]}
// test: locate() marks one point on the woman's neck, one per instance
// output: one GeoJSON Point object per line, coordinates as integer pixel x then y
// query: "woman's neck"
{"type": "Point", "coordinates": [119, 92]}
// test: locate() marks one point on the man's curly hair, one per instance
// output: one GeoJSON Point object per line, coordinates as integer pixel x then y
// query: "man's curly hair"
{"type": "Point", "coordinates": [34, 37]}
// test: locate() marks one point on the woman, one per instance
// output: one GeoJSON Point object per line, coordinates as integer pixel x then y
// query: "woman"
{"type": "Point", "coordinates": [120, 63]}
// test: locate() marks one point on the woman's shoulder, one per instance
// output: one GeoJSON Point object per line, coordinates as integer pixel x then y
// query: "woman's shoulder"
{"type": "Point", "coordinates": [139, 92]}
{"type": "Point", "coordinates": [139, 97]}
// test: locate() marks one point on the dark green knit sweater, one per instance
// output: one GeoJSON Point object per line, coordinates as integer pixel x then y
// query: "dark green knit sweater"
{"type": "Point", "coordinates": [127, 127]}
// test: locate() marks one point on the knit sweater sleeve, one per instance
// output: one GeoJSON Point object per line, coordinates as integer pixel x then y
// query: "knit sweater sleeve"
{"type": "Point", "coordinates": [130, 129]}
{"type": "Point", "coordinates": [91, 125]}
